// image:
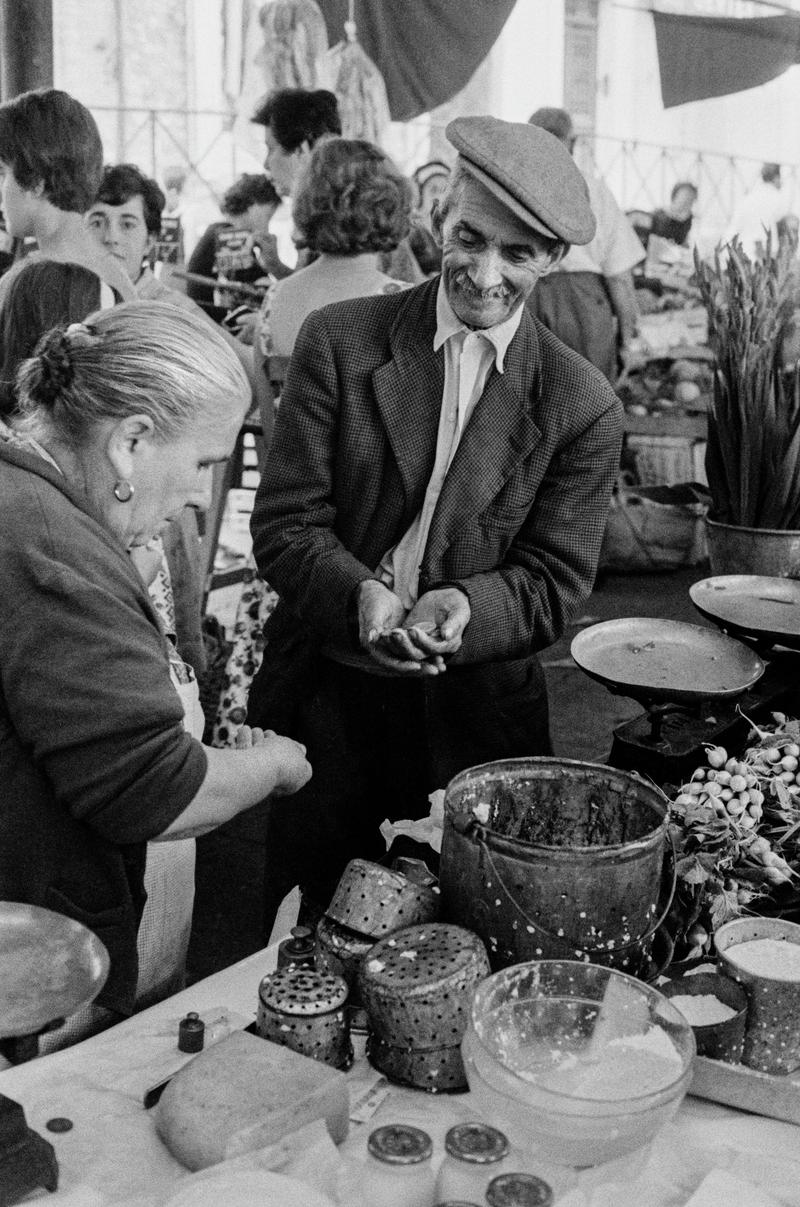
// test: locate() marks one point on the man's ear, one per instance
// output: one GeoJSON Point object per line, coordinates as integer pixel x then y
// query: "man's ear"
{"type": "Point", "coordinates": [555, 259]}
{"type": "Point", "coordinates": [437, 218]}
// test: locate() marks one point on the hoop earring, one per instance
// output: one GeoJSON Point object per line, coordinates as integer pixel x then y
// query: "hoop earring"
{"type": "Point", "coordinates": [123, 491]}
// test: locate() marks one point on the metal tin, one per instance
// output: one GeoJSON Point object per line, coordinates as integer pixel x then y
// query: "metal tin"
{"type": "Point", "coordinates": [476, 1143]}
{"type": "Point", "coordinates": [373, 900]}
{"type": "Point", "coordinates": [340, 951]}
{"type": "Point", "coordinates": [435, 1070]}
{"type": "Point", "coordinates": [518, 1190]}
{"type": "Point", "coordinates": [304, 1010]}
{"type": "Point", "coordinates": [400, 1144]}
{"type": "Point", "coordinates": [297, 950]}
{"type": "Point", "coordinates": [417, 985]}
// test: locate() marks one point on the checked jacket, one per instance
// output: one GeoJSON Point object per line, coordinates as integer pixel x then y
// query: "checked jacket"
{"type": "Point", "coordinates": [520, 518]}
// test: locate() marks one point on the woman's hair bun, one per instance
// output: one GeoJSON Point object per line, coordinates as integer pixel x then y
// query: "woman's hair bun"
{"type": "Point", "coordinates": [56, 370]}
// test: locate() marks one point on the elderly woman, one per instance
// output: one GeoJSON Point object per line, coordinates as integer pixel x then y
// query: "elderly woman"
{"type": "Point", "coordinates": [352, 205]}
{"type": "Point", "coordinates": [121, 425]}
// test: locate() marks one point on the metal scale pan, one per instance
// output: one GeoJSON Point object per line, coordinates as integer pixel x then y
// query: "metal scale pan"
{"type": "Point", "coordinates": [51, 967]}
{"type": "Point", "coordinates": [665, 661]}
{"type": "Point", "coordinates": [756, 607]}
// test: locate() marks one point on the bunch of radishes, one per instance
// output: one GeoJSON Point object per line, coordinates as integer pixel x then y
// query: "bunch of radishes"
{"type": "Point", "coordinates": [737, 815]}
{"type": "Point", "coordinates": [730, 787]}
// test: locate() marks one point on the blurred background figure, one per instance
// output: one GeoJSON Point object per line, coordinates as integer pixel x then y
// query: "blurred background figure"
{"type": "Point", "coordinates": [351, 205]}
{"type": "Point", "coordinates": [173, 251]}
{"type": "Point", "coordinates": [44, 294]}
{"type": "Point", "coordinates": [293, 120]}
{"type": "Point", "coordinates": [51, 162]}
{"type": "Point", "coordinates": [756, 218]}
{"type": "Point", "coordinates": [239, 248]}
{"type": "Point", "coordinates": [589, 301]}
{"type": "Point", "coordinates": [673, 223]}
{"type": "Point", "coordinates": [430, 182]}
{"type": "Point", "coordinates": [174, 184]}
{"type": "Point", "coordinates": [125, 218]}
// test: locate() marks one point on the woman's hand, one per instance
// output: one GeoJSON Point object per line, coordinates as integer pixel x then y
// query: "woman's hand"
{"type": "Point", "coordinates": [263, 764]}
{"type": "Point", "coordinates": [289, 754]}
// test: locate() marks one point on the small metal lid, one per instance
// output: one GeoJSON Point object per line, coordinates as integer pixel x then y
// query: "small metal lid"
{"type": "Point", "coordinates": [301, 942]}
{"type": "Point", "coordinates": [300, 990]}
{"type": "Point", "coordinates": [477, 1143]}
{"type": "Point", "coordinates": [400, 1144]}
{"type": "Point", "coordinates": [518, 1190]}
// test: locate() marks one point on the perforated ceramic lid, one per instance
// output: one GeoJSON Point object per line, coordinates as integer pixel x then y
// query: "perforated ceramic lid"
{"type": "Point", "coordinates": [477, 1143]}
{"type": "Point", "coordinates": [302, 991]}
{"type": "Point", "coordinates": [418, 958]}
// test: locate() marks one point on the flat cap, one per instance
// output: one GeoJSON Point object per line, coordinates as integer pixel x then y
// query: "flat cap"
{"type": "Point", "coordinates": [529, 171]}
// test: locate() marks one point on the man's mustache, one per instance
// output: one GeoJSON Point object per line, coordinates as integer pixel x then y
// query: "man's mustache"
{"type": "Point", "coordinates": [495, 293]}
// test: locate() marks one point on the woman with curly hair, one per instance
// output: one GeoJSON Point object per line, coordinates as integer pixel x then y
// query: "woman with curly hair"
{"type": "Point", "coordinates": [352, 204]}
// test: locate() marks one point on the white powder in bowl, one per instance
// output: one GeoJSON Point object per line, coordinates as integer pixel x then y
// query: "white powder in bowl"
{"type": "Point", "coordinates": [701, 1009]}
{"type": "Point", "coordinates": [629, 1066]}
{"type": "Point", "coordinates": [777, 958]}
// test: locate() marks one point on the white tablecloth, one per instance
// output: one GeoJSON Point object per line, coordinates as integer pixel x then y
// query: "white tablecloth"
{"type": "Point", "coordinates": [112, 1154]}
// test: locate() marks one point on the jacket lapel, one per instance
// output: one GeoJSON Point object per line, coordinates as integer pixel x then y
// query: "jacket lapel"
{"type": "Point", "coordinates": [408, 390]}
{"type": "Point", "coordinates": [500, 433]}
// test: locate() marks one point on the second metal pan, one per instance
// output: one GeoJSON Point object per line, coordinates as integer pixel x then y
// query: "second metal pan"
{"type": "Point", "coordinates": [754, 605]}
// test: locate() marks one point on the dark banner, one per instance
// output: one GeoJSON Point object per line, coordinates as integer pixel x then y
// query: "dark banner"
{"type": "Point", "coordinates": [426, 50]}
{"type": "Point", "coordinates": [700, 57]}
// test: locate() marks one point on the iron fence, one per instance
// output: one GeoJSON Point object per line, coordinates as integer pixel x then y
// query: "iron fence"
{"type": "Point", "coordinates": [207, 143]}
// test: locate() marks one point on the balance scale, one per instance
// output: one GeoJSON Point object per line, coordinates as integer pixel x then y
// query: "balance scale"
{"type": "Point", "coordinates": [50, 968]}
{"type": "Point", "coordinates": [696, 683]}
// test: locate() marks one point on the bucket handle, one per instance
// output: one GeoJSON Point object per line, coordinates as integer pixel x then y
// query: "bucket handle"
{"type": "Point", "coordinates": [479, 837]}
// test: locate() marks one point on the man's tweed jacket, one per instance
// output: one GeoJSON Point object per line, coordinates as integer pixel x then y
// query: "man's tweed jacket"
{"type": "Point", "coordinates": [521, 515]}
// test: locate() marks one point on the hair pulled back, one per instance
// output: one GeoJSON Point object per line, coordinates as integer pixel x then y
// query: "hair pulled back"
{"type": "Point", "coordinates": [139, 358]}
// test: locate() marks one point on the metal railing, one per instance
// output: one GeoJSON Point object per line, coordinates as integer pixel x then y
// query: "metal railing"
{"type": "Point", "coordinates": [640, 174]}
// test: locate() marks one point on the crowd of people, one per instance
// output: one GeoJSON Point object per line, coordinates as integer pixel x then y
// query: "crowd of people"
{"type": "Point", "coordinates": [428, 520]}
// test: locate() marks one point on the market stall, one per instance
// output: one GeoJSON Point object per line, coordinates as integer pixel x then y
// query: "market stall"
{"type": "Point", "coordinates": [112, 1153]}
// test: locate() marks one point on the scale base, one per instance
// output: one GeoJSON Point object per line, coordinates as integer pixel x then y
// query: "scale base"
{"type": "Point", "coordinates": [27, 1160]}
{"type": "Point", "coordinates": [672, 755]}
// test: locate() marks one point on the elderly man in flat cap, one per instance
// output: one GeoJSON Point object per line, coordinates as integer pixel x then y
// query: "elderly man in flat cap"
{"type": "Point", "coordinates": [431, 513]}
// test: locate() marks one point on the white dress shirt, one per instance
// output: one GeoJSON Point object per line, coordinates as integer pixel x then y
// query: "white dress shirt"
{"type": "Point", "coordinates": [468, 359]}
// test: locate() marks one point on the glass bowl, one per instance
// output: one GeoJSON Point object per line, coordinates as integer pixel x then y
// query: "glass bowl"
{"type": "Point", "coordinates": [576, 1062]}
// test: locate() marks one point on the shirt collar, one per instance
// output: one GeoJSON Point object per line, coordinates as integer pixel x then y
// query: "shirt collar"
{"type": "Point", "coordinates": [448, 324]}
